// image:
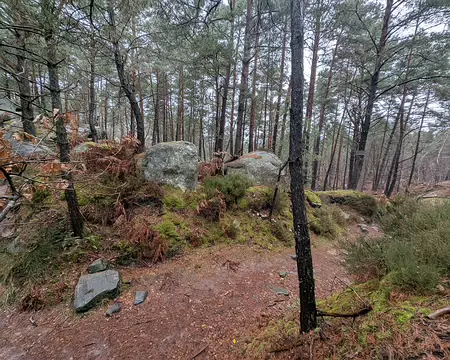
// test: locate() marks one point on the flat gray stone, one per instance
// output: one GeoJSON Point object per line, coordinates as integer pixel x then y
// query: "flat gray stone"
{"type": "Point", "coordinates": [98, 265]}
{"type": "Point", "coordinates": [294, 257]}
{"type": "Point", "coordinates": [279, 291]}
{"type": "Point", "coordinates": [283, 274]}
{"type": "Point", "coordinates": [113, 309]}
{"type": "Point", "coordinates": [92, 288]}
{"type": "Point", "coordinates": [140, 297]}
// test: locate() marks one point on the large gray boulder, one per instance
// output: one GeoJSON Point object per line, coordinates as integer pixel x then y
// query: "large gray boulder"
{"type": "Point", "coordinates": [173, 163]}
{"type": "Point", "coordinates": [92, 288]}
{"type": "Point", "coordinates": [261, 167]}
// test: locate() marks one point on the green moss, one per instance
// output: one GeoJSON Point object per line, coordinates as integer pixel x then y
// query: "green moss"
{"type": "Point", "coordinates": [312, 198]}
{"type": "Point", "coordinates": [362, 203]}
{"type": "Point", "coordinates": [170, 230]}
{"type": "Point", "coordinates": [233, 188]}
{"type": "Point", "coordinates": [174, 202]}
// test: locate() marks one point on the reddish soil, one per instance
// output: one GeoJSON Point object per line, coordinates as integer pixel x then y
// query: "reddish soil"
{"type": "Point", "coordinates": [201, 305]}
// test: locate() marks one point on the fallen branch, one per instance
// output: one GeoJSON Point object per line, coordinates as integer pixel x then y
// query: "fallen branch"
{"type": "Point", "coordinates": [439, 313]}
{"type": "Point", "coordinates": [363, 311]}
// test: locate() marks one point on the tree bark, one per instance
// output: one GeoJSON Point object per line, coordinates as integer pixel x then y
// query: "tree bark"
{"type": "Point", "coordinates": [251, 132]}
{"type": "Point", "coordinates": [92, 103]}
{"type": "Point", "coordinates": [124, 80]}
{"type": "Point", "coordinates": [315, 169]}
{"type": "Point", "coordinates": [180, 117]}
{"type": "Point", "coordinates": [308, 311]}
{"type": "Point", "coordinates": [379, 62]}
{"type": "Point", "coordinates": [280, 89]}
{"type": "Point", "coordinates": [312, 87]}
{"type": "Point", "coordinates": [243, 88]}
{"type": "Point", "coordinates": [50, 14]}
{"type": "Point", "coordinates": [416, 150]}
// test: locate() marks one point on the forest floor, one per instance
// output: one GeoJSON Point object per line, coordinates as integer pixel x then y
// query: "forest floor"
{"type": "Point", "coordinates": [202, 305]}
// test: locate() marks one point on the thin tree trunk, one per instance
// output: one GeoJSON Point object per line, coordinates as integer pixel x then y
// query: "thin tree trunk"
{"type": "Point", "coordinates": [92, 103]}
{"type": "Point", "coordinates": [315, 169]}
{"type": "Point", "coordinates": [287, 106]}
{"type": "Point", "coordinates": [312, 87]}
{"type": "Point", "coordinates": [243, 88]}
{"type": "Point", "coordinates": [416, 150]}
{"type": "Point", "coordinates": [180, 117]}
{"type": "Point", "coordinates": [251, 132]}
{"type": "Point", "coordinates": [280, 89]}
{"type": "Point", "coordinates": [124, 83]}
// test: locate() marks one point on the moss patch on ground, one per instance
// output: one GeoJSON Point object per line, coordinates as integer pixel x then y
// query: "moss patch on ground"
{"type": "Point", "coordinates": [362, 203]}
{"type": "Point", "coordinates": [396, 326]}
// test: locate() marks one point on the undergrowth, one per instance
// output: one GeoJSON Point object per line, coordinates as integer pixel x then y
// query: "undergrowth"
{"type": "Point", "coordinates": [396, 328]}
{"type": "Point", "coordinates": [414, 249]}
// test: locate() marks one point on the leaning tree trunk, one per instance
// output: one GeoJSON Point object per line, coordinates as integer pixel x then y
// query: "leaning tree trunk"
{"type": "Point", "coordinates": [308, 312]}
{"type": "Point", "coordinates": [125, 81]}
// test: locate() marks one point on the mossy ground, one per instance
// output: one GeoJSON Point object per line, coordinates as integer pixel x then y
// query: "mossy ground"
{"type": "Point", "coordinates": [396, 327]}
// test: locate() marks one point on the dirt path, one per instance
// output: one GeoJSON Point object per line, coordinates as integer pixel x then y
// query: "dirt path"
{"type": "Point", "coordinates": [200, 303]}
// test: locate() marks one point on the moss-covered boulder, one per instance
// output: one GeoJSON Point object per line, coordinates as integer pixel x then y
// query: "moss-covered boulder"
{"type": "Point", "coordinates": [364, 204]}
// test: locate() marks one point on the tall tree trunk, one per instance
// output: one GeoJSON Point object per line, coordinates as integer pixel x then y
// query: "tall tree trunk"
{"type": "Point", "coordinates": [26, 100]}
{"type": "Point", "coordinates": [308, 312]}
{"type": "Point", "coordinates": [50, 15]}
{"type": "Point", "coordinates": [287, 106]}
{"type": "Point", "coordinates": [251, 131]}
{"type": "Point", "coordinates": [280, 89]}
{"type": "Point", "coordinates": [312, 87]}
{"type": "Point", "coordinates": [180, 116]}
{"type": "Point", "coordinates": [379, 62]}
{"type": "Point", "coordinates": [416, 150]}
{"type": "Point", "coordinates": [92, 103]}
{"type": "Point", "coordinates": [124, 81]}
{"type": "Point", "coordinates": [243, 88]}
{"type": "Point", "coordinates": [315, 168]}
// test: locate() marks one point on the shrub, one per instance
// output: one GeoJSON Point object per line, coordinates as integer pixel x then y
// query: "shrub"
{"type": "Point", "coordinates": [282, 233]}
{"type": "Point", "coordinates": [414, 249]}
{"type": "Point", "coordinates": [231, 186]}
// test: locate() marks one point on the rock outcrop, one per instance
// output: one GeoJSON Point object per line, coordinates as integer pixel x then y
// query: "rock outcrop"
{"type": "Point", "coordinates": [261, 167]}
{"type": "Point", "coordinates": [173, 163]}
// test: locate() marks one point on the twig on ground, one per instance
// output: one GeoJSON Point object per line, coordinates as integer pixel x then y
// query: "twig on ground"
{"type": "Point", "coordinates": [199, 352]}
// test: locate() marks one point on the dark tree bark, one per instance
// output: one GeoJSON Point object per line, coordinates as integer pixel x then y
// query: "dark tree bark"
{"type": "Point", "coordinates": [308, 311]}
{"type": "Point", "coordinates": [50, 13]}
{"type": "Point", "coordinates": [379, 62]}
{"type": "Point", "coordinates": [125, 81]}
{"type": "Point", "coordinates": [243, 88]}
